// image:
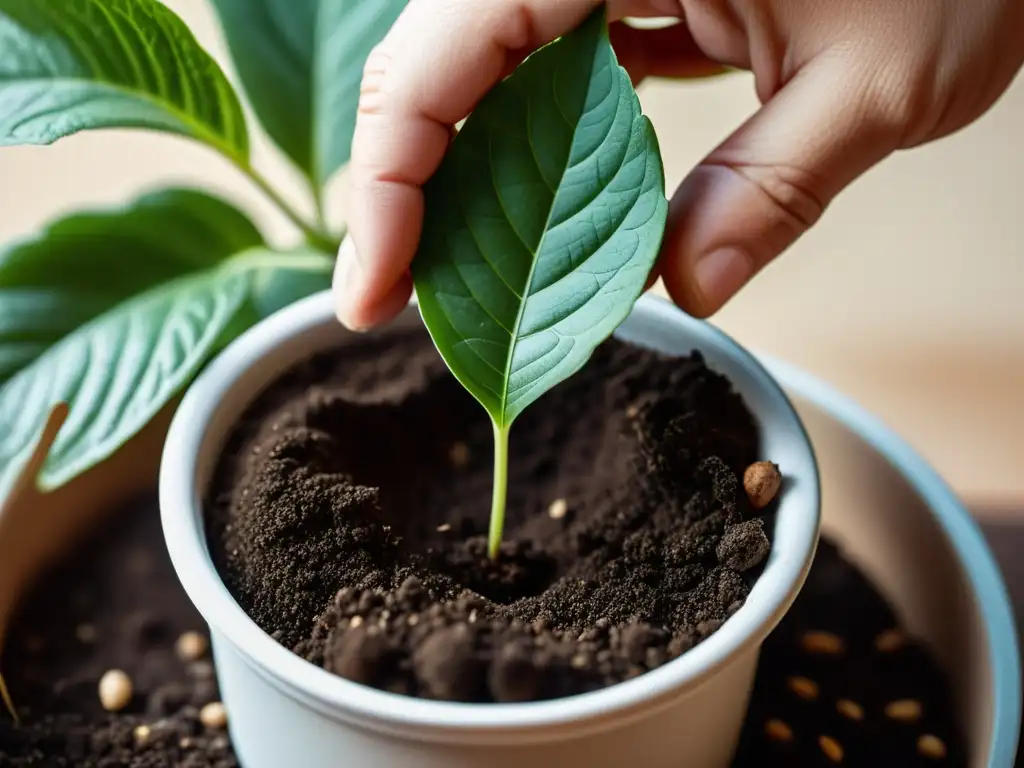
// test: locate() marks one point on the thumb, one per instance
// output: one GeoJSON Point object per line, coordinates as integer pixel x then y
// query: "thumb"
{"type": "Point", "coordinates": [771, 180]}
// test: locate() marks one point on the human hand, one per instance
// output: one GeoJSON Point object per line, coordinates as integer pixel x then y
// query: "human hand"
{"type": "Point", "coordinates": [842, 85]}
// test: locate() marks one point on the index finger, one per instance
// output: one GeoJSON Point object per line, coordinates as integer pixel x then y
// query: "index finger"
{"type": "Point", "coordinates": [439, 59]}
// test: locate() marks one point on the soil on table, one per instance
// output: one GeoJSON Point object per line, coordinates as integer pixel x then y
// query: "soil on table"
{"type": "Point", "coordinates": [114, 603]}
{"type": "Point", "coordinates": [349, 519]}
{"type": "Point", "coordinates": [828, 675]}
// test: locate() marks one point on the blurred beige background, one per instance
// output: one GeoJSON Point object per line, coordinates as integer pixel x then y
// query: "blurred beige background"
{"type": "Point", "coordinates": [907, 296]}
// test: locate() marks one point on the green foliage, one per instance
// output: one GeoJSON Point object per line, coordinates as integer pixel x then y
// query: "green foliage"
{"type": "Point", "coordinates": [302, 63]}
{"type": "Point", "coordinates": [541, 228]}
{"type": "Point", "coordinates": [113, 311]}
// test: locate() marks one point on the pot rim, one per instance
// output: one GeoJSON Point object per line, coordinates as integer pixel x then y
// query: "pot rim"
{"type": "Point", "coordinates": [187, 448]}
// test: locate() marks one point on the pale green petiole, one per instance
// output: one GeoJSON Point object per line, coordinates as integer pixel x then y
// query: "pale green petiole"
{"type": "Point", "coordinates": [500, 491]}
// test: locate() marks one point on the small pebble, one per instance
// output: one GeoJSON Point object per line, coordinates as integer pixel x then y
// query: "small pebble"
{"type": "Point", "coordinates": [191, 646]}
{"type": "Point", "coordinates": [890, 640]}
{"type": "Point", "coordinates": [822, 642]}
{"type": "Point", "coordinates": [142, 733]}
{"type": "Point", "coordinates": [833, 749]}
{"type": "Point", "coordinates": [458, 455]}
{"type": "Point", "coordinates": [214, 715]}
{"type": "Point", "coordinates": [355, 622]}
{"type": "Point", "coordinates": [558, 509]}
{"type": "Point", "coordinates": [850, 709]}
{"type": "Point", "coordinates": [115, 690]}
{"type": "Point", "coordinates": [803, 687]}
{"type": "Point", "coordinates": [761, 481]}
{"type": "Point", "coordinates": [904, 710]}
{"type": "Point", "coordinates": [776, 730]}
{"type": "Point", "coordinates": [931, 746]}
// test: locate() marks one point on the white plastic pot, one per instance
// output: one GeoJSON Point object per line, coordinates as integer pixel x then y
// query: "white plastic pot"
{"type": "Point", "coordinates": [287, 712]}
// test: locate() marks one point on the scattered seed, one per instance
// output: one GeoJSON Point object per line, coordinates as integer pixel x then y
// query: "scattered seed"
{"type": "Point", "coordinates": [185, 743]}
{"type": "Point", "coordinates": [191, 646]}
{"type": "Point", "coordinates": [890, 640]}
{"type": "Point", "coordinates": [458, 455]}
{"type": "Point", "coordinates": [413, 620]}
{"type": "Point", "coordinates": [558, 509]}
{"type": "Point", "coordinates": [356, 621]}
{"type": "Point", "coordinates": [115, 690]}
{"type": "Point", "coordinates": [214, 715]}
{"type": "Point", "coordinates": [803, 687]}
{"type": "Point", "coordinates": [579, 661]}
{"type": "Point", "coordinates": [632, 411]}
{"type": "Point", "coordinates": [473, 616]}
{"type": "Point", "coordinates": [833, 749]}
{"type": "Point", "coordinates": [776, 730]}
{"type": "Point", "coordinates": [904, 710]}
{"type": "Point", "coordinates": [86, 633]}
{"type": "Point", "coordinates": [822, 642]}
{"type": "Point", "coordinates": [142, 734]}
{"type": "Point", "coordinates": [761, 481]}
{"type": "Point", "coordinates": [932, 746]}
{"type": "Point", "coordinates": [850, 709]}
{"type": "Point", "coordinates": [444, 527]}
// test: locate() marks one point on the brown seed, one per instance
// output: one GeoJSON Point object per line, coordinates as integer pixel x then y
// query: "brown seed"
{"type": "Point", "coordinates": [458, 455]}
{"type": "Point", "coordinates": [803, 687]}
{"type": "Point", "coordinates": [833, 749]}
{"type": "Point", "coordinates": [191, 646]}
{"type": "Point", "coordinates": [850, 709]}
{"type": "Point", "coordinates": [761, 481]}
{"type": "Point", "coordinates": [822, 642]}
{"type": "Point", "coordinates": [115, 690]}
{"type": "Point", "coordinates": [890, 640]}
{"type": "Point", "coordinates": [141, 733]}
{"type": "Point", "coordinates": [213, 715]}
{"type": "Point", "coordinates": [932, 746]}
{"type": "Point", "coordinates": [904, 710]}
{"type": "Point", "coordinates": [632, 411]}
{"type": "Point", "coordinates": [559, 508]}
{"type": "Point", "coordinates": [776, 730]}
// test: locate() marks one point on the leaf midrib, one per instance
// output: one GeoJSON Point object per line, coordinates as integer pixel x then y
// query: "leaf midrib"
{"type": "Point", "coordinates": [514, 336]}
{"type": "Point", "coordinates": [200, 129]}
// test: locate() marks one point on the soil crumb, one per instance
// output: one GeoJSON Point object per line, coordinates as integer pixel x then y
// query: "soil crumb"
{"type": "Point", "coordinates": [349, 514]}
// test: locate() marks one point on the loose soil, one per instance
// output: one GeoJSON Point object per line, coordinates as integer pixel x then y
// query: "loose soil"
{"type": "Point", "coordinates": [115, 603]}
{"type": "Point", "coordinates": [53, 667]}
{"type": "Point", "coordinates": [349, 515]}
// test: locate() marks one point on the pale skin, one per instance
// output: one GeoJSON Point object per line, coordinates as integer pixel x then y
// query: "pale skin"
{"type": "Point", "coordinates": [842, 84]}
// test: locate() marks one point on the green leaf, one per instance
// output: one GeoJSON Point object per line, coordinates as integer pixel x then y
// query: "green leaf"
{"type": "Point", "coordinates": [73, 65]}
{"type": "Point", "coordinates": [541, 228]}
{"type": "Point", "coordinates": [542, 223]}
{"type": "Point", "coordinates": [301, 62]}
{"type": "Point", "coordinates": [118, 370]}
{"type": "Point", "coordinates": [83, 265]}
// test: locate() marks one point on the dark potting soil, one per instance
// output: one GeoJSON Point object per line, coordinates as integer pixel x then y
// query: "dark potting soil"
{"type": "Point", "coordinates": [115, 603]}
{"type": "Point", "coordinates": [840, 640]}
{"type": "Point", "coordinates": [840, 682]}
{"type": "Point", "coordinates": [349, 514]}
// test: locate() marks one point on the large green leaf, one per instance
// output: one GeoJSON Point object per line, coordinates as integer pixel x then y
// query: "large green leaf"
{"type": "Point", "coordinates": [301, 62]}
{"type": "Point", "coordinates": [74, 65]}
{"type": "Point", "coordinates": [542, 223]}
{"type": "Point", "coordinates": [119, 369]}
{"type": "Point", "coordinates": [82, 265]}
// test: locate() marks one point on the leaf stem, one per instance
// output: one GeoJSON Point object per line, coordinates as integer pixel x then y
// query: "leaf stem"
{"type": "Point", "coordinates": [500, 491]}
{"type": "Point", "coordinates": [316, 236]}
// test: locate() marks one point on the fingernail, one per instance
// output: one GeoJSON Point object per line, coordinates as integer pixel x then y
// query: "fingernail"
{"type": "Point", "coordinates": [720, 274]}
{"type": "Point", "coordinates": [348, 284]}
